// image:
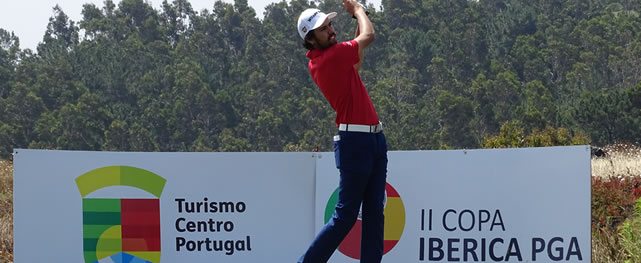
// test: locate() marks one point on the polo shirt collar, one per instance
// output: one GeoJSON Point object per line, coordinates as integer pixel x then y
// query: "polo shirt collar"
{"type": "Point", "coordinates": [314, 53]}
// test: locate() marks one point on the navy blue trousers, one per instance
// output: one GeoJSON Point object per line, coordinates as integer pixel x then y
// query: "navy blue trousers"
{"type": "Point", "coordinates": [362, 161]}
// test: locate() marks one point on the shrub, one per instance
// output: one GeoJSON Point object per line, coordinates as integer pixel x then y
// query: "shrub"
{"type": "Point", "coordinates": [630, 235]}
{"type": "Point", "coordinates": [512, 134]}
{"type": "Point", "coordinates": [613, 202]}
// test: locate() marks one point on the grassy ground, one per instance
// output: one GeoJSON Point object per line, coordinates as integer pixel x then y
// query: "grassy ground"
{"type": "Point", "coordinates": [616, 207]}
{"type": "Point", "coordinates": [6, 211]}
{"type": "Point", "coordinates": [610, 175]}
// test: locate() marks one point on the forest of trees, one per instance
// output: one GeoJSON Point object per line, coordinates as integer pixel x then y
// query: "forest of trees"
{"type": "Point", "coordinates": [442, 73]}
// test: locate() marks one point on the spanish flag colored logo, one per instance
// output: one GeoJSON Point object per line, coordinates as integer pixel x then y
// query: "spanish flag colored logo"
{"type": "Point", "coordinates": [394, 224]}
{"type": "Point", "coordinates": [121, 230]}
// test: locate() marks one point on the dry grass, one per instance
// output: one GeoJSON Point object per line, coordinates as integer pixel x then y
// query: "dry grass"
{"type": "Point", "coordinates": [621, 159]}
{"type": "Point", "coordinates": [6, 211]}
{"type": "Point", "coordinates": [605, 248]}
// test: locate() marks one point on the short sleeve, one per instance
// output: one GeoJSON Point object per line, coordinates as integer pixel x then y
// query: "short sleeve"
{"type": "Point", "coordinates": [348, 52]}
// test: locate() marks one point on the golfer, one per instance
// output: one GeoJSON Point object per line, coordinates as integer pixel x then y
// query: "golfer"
{"type": "Point", "coordinates": [360, 148]}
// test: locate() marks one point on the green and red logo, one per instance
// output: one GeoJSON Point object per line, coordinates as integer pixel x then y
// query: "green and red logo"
{"type": "Point", "coordinates": [121, 230]}
{"type": "Point", "coordinates": [394, 224]}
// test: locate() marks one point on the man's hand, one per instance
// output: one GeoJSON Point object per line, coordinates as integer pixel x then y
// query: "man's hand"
{"type": "Point", "coordinates": [352, 6]}
{"type": "Point", "coordinates": [366, 12]}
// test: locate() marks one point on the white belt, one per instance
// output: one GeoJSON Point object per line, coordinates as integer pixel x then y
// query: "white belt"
{"type": "Point", "coordinates": [361, 128]}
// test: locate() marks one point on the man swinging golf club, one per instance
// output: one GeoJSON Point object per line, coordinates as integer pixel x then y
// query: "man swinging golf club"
{"type": "Point", "coordinates": [360, 148]}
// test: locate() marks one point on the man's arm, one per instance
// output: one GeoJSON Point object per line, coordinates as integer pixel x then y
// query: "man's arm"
{"type": "Point", "coordinates": [360, 52]}
{"type": "Point", "coordinates": [365, 29]}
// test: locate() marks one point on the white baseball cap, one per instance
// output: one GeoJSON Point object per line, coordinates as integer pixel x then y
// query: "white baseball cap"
{"type": "Point", "coordinates": [311, 19]}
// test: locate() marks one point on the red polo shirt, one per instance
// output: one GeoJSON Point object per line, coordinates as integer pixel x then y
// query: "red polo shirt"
{"type": "Point", "coordinates": [332, 69]}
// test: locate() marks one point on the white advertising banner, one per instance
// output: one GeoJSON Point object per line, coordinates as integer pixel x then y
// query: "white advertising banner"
{"type": "Point", "coordinates": [74, 206]}
{"type": "Point", "coordinates": [507, 205]}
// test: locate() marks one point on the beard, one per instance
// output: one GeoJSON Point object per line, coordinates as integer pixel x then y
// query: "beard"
{"type": "Point", "coordinates": [331, 40]}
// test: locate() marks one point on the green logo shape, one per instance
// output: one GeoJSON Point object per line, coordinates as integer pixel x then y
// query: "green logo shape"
{"type": "Point", "coordinates": [121, 230]}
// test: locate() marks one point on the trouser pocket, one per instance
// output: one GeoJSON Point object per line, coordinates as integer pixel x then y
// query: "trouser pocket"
{"type": "Point", "coordinates": [354, 152]}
